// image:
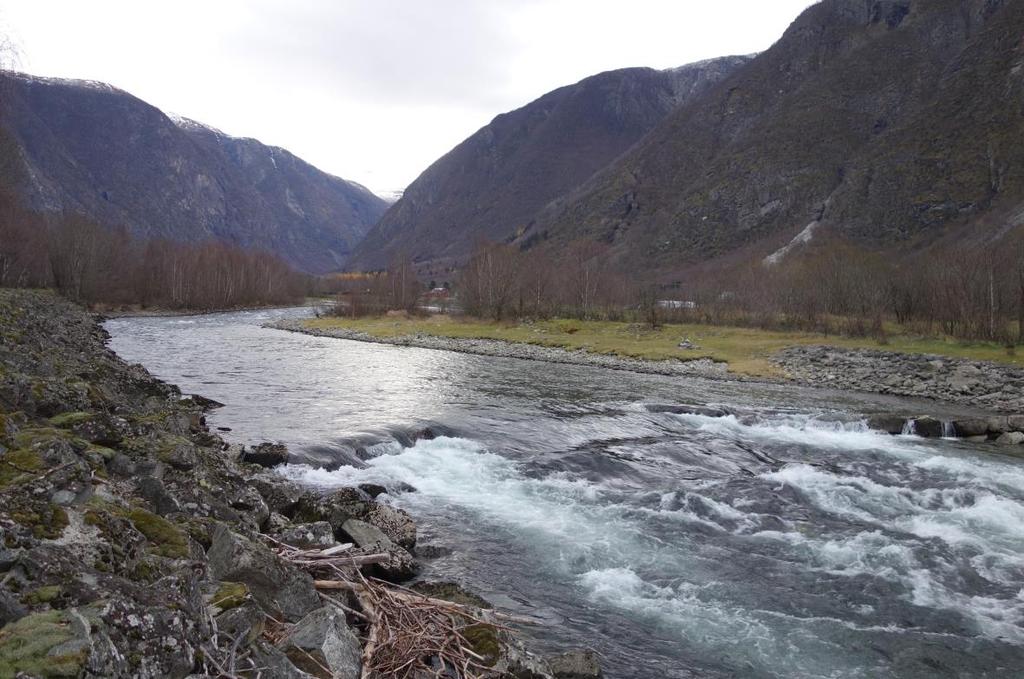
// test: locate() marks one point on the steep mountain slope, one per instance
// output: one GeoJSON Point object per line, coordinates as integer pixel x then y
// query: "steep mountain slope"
{"type": "Point", "coordinates": [888, 122]}
{"type": "Point", "coordinates": [493, 184]}
{"type": "Point", "coordinates": [90, 148]}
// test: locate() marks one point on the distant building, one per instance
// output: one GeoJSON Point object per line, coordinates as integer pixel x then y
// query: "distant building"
{"type": "Point", "coordinates": [676, 304]}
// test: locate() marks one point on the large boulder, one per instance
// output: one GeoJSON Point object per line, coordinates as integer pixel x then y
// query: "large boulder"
{"type": "Point", "coordinates": [399, 567]}
{"type": "Point", "coordinates": [322, 641]}
{"type": "Point", "coordinates": [278, 586]}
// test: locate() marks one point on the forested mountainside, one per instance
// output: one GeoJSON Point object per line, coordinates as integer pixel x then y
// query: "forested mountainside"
{"type": "Point", "coordinates": [492, 185]}
{"type": "Point", "coordinates": [92, 149]}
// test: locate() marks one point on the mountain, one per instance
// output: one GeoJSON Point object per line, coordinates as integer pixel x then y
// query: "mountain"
{"type": "Point", "coordinates": [891, 123]}
{"type": "Point", "coordinates": [494, 183]}
{"type": "Point", "coordinates": [90, 148]}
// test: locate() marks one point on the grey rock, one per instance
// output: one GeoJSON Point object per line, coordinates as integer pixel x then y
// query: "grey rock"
{"type": "Point", "coordinates": [335, 508]}
{"type": "Point", "coordinates": [576, 664]}
{"type": "Point", "coordinates": [280, 494]}
{"type": "Point", "coordinates": [1011, 438]}
{"type": "Point", "coordinates": [275, 663]}
{"type": "Point", "coordinates": [323, 639]}
{"type": "Point", "coordinates": [399, 567]}
{"type": "Point", "coordinates": [687, 409]}
{"type": "Point", "coordinates": [276, 585]}
{"type": "Point", "coordinates": [10, 608]}
{"type": "Point", "coordinates": [970, 427]}
{"type": "Point", "coordinates": [928, 427]}
{"type": "Point", "coordinates": [266, 455]}
{"type": "Point", "coordinates": [249, 504]}
{"type": "Point", "coordinates": [318, 534]}
{"type": "Point", "coordinates": [891, 424]}
{"type": "Point", "coordinates": [396, 523]}
{"type": "Point", "coordinates": [63, 498]}
{"type": "Point", "coordinates": [154, 492]}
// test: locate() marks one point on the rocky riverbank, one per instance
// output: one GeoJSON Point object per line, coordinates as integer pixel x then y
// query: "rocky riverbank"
{"type": "Point", "coordinates": [990, 386]}
{"type": "Point", "coordinates": [980, 385]}
{"type": "Point", "coordinates": [531, 352]}
{"type": "Point", "coordinates": [136, 543]}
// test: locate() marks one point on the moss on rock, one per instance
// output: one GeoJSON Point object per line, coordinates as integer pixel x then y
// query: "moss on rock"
{"type": "Point", "coordinates": [229, 595]}
{"type": "Point", "coordinates": [46, 522]}
{"type": "Point", "coordinates": [165, 539]}
{"type": "Point", "coordinates": [484, 641]}
{"type": "Point", "coordinates": [40, 645]}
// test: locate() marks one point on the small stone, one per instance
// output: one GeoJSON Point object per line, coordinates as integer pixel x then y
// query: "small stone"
{"type": "Point", "coordinates": [1011, 438]}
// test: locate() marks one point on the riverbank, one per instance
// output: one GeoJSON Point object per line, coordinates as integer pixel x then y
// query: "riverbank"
{"type": "Point", "coordinates": [134, 542]}
{"type": "Point", "coordinates": [907, 367]}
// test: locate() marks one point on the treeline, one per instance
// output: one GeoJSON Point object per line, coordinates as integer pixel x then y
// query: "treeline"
{"type": "Point", "coordinates": [972, 292]}
{"type": "Point", "coordinates": [93, 264]}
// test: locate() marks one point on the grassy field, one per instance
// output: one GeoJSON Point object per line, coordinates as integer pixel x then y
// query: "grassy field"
{"type": "Point", "coordinates": [746, 350]}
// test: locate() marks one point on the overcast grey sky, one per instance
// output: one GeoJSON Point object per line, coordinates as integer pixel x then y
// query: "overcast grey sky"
{"type": "Point", "coordinates": [371, 90]}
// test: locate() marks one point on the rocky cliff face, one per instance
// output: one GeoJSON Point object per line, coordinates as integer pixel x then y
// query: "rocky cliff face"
{"type": "Point", "coordinates": [888, 122]}
{"type": "Point", "coordinates": [493, 184]}
{"type": "Point", "coordinates": [90, 148]}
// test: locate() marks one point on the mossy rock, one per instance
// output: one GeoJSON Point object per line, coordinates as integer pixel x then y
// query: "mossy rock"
{"type": "Point", "coordinates": [21, 465]}
{"type": "Point", "coordinates": [42, 595]}
{"type": "Point", "coordinates": [483, 640]}
{"type": "Point", "coordinates": [165, 539]}
{"type": "Point", "coordinates": [46, 523]}
{"type": "Point", "coordinates": [42, 645]}
{"type": "Point", "coordinates": [229, 595]}
{"type": "Point", "coordinates": [68, 420]}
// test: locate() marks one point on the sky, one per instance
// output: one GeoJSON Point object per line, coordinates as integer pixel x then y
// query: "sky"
{"type": "Point", "coordinates": [370, 90]}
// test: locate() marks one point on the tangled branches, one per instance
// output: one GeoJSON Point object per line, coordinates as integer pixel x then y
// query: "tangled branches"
{"type": "Point", "coordinates": [406, 634]}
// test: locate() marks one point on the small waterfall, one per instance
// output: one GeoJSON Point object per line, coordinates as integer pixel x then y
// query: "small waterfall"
{"type": "Point", "coordinates": [909, 427]}
{"type": "Point", "coordinates": [948, 429]}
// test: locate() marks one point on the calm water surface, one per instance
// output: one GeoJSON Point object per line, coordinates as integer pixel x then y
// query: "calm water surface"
{"type": "Point", "coordinates": [784, 541]}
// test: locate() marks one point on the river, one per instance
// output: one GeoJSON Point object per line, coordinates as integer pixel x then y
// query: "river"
{"type": "Point", "coordinates": [786, 540]}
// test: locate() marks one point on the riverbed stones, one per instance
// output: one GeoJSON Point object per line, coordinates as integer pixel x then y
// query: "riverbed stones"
{"type": "Point", "coordinates": [994, 386]}
{"type": "Point", "coordinates": [275, 584]}
{"type": "Point", "coordinates": [323, 641]}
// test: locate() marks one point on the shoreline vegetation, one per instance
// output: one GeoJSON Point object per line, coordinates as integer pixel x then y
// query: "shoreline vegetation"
{"type": "Point", "coordinates": [981, 375]}
{"type": "Point", "coordinates": [136, 542]}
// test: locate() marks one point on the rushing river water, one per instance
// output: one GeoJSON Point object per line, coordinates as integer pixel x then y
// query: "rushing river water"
{"type": "Point", "coordinates": [784, 541]}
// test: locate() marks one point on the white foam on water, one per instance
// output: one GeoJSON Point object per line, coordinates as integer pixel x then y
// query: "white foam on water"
{"type": "Point", "coordinates": [989, 527]}
{"type": "Point", "coordinates": [799, 429]}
